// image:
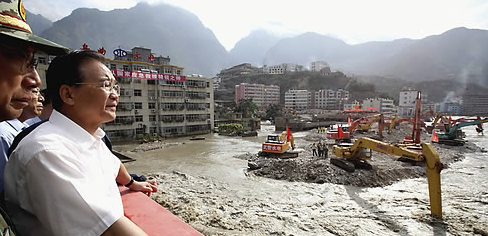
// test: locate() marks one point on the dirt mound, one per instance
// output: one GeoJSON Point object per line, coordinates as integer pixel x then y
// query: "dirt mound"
{"type": "Point", "coordinates": [386, 169]}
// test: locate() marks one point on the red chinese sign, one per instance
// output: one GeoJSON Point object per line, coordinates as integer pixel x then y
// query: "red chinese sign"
{"type": "Point", "coordinates": [272, 148]}
{"type": "Point", "coordinates": [102, 51]}
{"type": "Point", "coordinates": [146, 75]}
{"type": "Point", "coordinates": [136, 56]}
{"type": "Point", "coordinates": [85, 47]}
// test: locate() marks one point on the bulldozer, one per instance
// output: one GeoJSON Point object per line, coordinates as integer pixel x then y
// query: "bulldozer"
{"type": "Point", "coordinates": [355, 155]}
{"type": "Point", "coordinates": [279, 146]}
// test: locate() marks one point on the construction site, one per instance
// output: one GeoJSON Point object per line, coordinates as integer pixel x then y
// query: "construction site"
{"type": "Point", "coordinates": [378, 175]}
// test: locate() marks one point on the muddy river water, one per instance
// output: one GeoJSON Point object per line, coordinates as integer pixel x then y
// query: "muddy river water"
{"type": "Point", "coordinates": [204, 185]}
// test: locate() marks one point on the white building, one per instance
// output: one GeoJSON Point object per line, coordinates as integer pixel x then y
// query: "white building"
{"type": "Point", "coordinates": [298, 99]}
{"type": "Point", "coordinates": [330, 99]}
{"type": "Point", "coordinates": [407, 102]}
{"type": "Point", "coordinates": [280, 69]}
{"type": "Point", "coordinates": [155, 98]}
{"type": "Point", "coordinates": [383, 105]}
{"type": "Point", "coordinates": [350, 106]}
{"type": "Point", "coordinates": [216, 82]}
{"type": "Point", "coordinates": [318, 65]}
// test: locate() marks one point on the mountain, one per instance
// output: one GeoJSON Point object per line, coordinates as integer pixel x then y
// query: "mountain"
{"type": "Point", "coordinates": [306, 48]}
{"type": "Point", "coordinates": [310, 46]}
{"type": "Point", "coordinates": [166, 29]}
{"type": "Point", "coordinates": [38, 23]}
{"type": "Point", "coordinates": [459, 54]}
{"type": "Point", "coordinates": [252, 49]}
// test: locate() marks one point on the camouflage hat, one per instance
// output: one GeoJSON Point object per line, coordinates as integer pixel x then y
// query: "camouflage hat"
{"type": "Point", "coordinates": [13, 24]}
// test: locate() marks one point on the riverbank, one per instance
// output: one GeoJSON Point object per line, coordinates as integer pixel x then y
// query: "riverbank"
{"type": "Point", "coordinates": [297, 205]}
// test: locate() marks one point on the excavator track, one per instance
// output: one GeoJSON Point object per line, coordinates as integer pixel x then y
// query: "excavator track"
{"type": "Point", "coordinates": [343, 164]}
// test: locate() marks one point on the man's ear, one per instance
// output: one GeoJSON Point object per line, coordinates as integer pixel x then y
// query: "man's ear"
{"type": "Point", "coordinates": [67, 94]}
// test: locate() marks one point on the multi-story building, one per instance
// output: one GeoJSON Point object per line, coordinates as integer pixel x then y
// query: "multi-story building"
{"type": "Point", "coordinates": [262, 95]}
{"type": "Point", "coordinates": [407, 102]}
{"type": "Point", "coordinates": [298, 99]}
{"type": "Point", "coordinates": [475, 104]}
{"type": "Point", "coordinates": [383, 105]}
{"type": "Point", "coordinates": [319, 65]}
{"type": "Point", "coordinates": [353, 105]}
{"type": "Point", "coordinates": [281, 68]}
{"type": "Point", "coordinates": [216, 82]}
{"type": "Point", "coordinates": [451, 108]}
{"type": "Point", "coordinates": [329, 99]}
{"type": "Point", "coordinates": [155, 98]}
{"type": "Point", "coordinates": [274, 70]}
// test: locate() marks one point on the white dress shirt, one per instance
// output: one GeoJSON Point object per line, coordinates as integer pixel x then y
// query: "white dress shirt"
{"type": "Point", "coordinates": [60, 180]}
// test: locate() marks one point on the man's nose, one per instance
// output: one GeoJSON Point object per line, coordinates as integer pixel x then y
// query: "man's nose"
{"type": "Point", "coordinates": [31, 79]}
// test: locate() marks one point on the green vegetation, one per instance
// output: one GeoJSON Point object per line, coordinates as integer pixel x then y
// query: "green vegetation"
{"type": "Point", "coordinates": [247, 107]}
{"type": "Point", "coordinates": [273, 110]}
{"type": "Point", "coordinates": [230, 129]}
{"type": "Point", "coordinates": [148, 138]}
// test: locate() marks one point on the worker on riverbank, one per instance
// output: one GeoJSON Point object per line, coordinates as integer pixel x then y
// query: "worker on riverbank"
{"type": "Point", "coordinates": [314, 149]}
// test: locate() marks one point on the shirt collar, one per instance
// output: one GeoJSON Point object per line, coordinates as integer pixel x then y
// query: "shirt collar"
{"type": "Point", "coordinates": [77, 133]}
{"type": "Point", "coordinates": [16, 124]}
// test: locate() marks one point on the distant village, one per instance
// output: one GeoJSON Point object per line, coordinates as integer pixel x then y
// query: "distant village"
{"type": "Point", "coordinates": [324, 99]}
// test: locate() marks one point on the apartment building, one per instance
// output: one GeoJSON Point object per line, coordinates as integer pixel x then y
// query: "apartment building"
{"type": "Point", "coordinates": [262, 95]}
{"type": "Point", "coordinates": [330, 99]}
{"type": "Point", "coordinates": [298, 99]}
{"type": "Point", "coordinates": [407, 102]}
{"type": "Point", "coordinates": [319, 65]}
{"type": "Point", "coordinates": [475, 104]}
{"type": "Point", "coordinates": [281, 68]}
{"type": "Point", "coordinates": [155, 98]}
{"type": "Point", "coordinates": [383, 105]}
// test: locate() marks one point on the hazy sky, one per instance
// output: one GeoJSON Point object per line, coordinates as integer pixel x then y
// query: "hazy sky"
{"type": "Point", "coordinates": [354, 21]}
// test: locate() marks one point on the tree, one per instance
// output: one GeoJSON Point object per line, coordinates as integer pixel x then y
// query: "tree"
{"type": "Point", "coordinates": [247, 107]}
{"type": "Point", "coordinates": [273, 110]}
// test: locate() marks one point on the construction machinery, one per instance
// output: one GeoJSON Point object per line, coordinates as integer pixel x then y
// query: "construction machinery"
{"type": "Point", "coordinates": [362, 124]}
{"type": "Point", "coordinates": [345, 134]}
{"type": "Point", "coordinates": [279, 146]}
{"type": "Point", "coordinates": [453, 135]}
{"type": "Point", "coordinates": [352, 156]}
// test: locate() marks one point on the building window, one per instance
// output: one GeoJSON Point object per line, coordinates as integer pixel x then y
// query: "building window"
{"type": "Point", "coordinates": [151, 105]}
{"type": "Point", "coordinates": [138, 105]}
{"type": "Point", "coordinates": [138, 118]}
{"type": "Point", "coordinates": [113, 67]}
{"type": "Point", "coordinates": [139, 130]}
{"type": "Point", "coordinates": [153, 130]}
{"type": "Point", "coordinates": [126, 67]}
{"type": "Point", "coordinates": [137, 92]}
{"type": "Point", "coordinates": [152, 118]}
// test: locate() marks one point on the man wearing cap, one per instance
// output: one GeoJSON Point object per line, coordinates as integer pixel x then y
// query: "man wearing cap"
{"type": "Point", "coordinates": [17, 48]}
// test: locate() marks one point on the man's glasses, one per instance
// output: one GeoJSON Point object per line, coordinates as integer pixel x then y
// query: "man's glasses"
{"type": "Point", "coordinates": [106, 85]}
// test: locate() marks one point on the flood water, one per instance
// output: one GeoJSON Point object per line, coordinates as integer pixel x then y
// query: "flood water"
{"type": "Point", "coordinates": [294, 208]}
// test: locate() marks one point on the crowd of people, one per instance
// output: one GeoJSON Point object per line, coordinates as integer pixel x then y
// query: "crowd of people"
{"type": "Point", "coordinates": [58, 176]}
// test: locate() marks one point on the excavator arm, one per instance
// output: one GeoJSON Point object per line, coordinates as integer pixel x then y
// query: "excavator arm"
{"type": "Point", "coordinates": [428, 155]}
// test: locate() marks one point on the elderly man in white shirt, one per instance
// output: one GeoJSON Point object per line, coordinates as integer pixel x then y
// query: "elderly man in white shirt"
{"type": "Point", "coordinates": [61, 178]}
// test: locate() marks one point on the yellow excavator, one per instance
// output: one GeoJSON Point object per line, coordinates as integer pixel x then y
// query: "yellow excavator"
{"type": "Point", "coordinates": [279, 146]}
{"type": "Point", "coordinates": [351, 156]}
